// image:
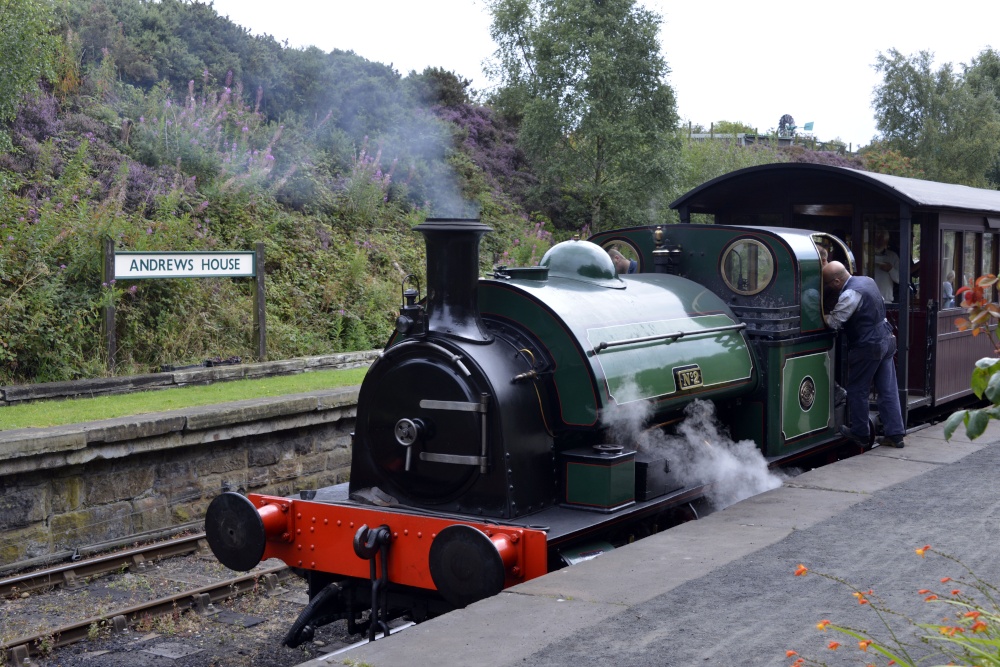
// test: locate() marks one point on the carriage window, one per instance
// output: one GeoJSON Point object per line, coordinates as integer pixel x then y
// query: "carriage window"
{"type": "Point", "coordinates": [988, 261]}
{"type": "Point", "coordinates": [951, 266]}
{"type": "Point", "coordinates": [880, 255]}
{"type": "Point", "coordinates": [747, 266]}
{"type": "Point", "coordinates": [970, 267]}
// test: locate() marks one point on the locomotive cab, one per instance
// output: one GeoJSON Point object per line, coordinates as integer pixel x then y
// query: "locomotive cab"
{"type": "Point", "coordinates": [772, 280]}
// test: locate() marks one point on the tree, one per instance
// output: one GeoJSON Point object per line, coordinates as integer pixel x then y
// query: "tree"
{"type": "Point", "coordinates": [586, 80]}
{"type": "Point", "coordinates": [983, 75]}
{"type": "Point", "coordinates": [26, 51]}
{"type": "Point", "coordinates": [732, 127]}
{"type": "Point", "coordinates": [437, 86]}
{"type": "Point", "coordinates": [948, 125]}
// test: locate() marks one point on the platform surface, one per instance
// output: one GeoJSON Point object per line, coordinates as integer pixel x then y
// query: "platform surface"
{"type": "Point", "coordinates": [722, 590]}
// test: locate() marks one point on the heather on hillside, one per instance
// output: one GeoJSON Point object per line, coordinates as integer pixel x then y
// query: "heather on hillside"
{"type": "Point", "coordinates": [165, 127]}
{"type": "Point", "coordinates": [332, 197]}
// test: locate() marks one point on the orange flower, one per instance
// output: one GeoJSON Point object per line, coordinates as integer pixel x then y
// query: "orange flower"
{"type": "Point", "coordinates": [945, 580]}
{"type": "Point", "coordinates": [860, 597]}
{"type": "Point", "coordinates": [833, 646]}
{"type": "Point", "coordinates": [956, 591]}
{"type": "Point", "coordinates": [864, 644]}
{"type": "Point", "coordinates": [972, 614]}
{"type": "Point", "coordinates": [822, 625]}
{"type": "Point", "coordinates": [921, 552]}
{"type": "Point", "coordinates": [891, 662]}
{"type": "Point", "coordinates": [789, 654]}
{"type": "Point", "coordinates": [950, 630]}
{"type": "Point", "coordinates": [802, 569]}
{"type": "Point", "coordinates": [930, 597]}
{"type": "Point", "coordinates": [924, 591]}
{"type": "Point", "coordinates": [979, 626]}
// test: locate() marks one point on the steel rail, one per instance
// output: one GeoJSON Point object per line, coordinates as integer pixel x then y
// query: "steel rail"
{"type": "Point", "coordinates": [68, 574]}
{"type": "Point", "coordinates": [18, 651]}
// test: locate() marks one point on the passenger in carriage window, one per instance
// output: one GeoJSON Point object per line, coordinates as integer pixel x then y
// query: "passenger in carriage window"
{"type": "Point", "coordinates": [948, 291]}
{"type": "Point", "coordinates": [886, 262]}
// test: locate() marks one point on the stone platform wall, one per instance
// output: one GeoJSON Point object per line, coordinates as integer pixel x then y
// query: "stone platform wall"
{"type": "Point", "coordinates": [69, 487]}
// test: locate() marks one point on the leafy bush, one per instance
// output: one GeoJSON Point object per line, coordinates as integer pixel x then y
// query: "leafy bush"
{"type": "Point", "coordinates": [982, 316]}
{"type": "Point", "coordinates": [211, 187]}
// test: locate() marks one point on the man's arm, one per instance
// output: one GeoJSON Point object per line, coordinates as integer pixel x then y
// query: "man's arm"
{"type": "Point", "coordinates": [846, 305]}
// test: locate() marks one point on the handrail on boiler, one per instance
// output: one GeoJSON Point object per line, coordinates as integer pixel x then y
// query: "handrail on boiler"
{"type": "Point", "coordinates": [670, 336]}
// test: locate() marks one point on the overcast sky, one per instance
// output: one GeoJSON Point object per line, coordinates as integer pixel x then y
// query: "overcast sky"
{"type": "Point", "coordinates": [739, 61]}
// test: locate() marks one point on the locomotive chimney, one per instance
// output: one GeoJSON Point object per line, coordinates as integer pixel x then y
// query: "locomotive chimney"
{"type": "Point", "coordinates": [453, 277]}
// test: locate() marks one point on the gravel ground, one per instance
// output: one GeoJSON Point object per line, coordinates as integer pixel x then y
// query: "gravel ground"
{"type": "Point", "coordinates": [184, 639]}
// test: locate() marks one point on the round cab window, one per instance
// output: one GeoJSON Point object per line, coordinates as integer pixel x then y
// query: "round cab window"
{"type": "Point", "coordinates": [624, 255]}
{"type": "Point", "coordinates": [747, 266]}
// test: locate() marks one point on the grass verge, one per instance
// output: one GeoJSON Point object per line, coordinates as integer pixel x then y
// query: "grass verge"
{"type": "Point", "coordinates": [73, 411]}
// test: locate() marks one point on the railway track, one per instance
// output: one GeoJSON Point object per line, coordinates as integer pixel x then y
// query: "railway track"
{"type": "Point", "coordinates": [70, 573]}
{"type": "Point", "coordinates": [203, 599]}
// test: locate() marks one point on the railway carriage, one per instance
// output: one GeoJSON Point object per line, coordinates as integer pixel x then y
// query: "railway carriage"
{"type": "Point", "coordinates": [944, 236]}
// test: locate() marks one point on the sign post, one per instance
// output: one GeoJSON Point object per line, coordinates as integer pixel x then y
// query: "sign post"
{"type": "Point", "coordinates": [259, 326]}
{"type": "Point", "coordinates": [108, 316]}
{"type": "Point", "coordinates": [151, 265]}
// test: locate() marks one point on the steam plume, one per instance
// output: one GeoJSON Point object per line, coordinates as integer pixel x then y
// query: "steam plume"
{"type": "Point", "coordinates": [701, 451]}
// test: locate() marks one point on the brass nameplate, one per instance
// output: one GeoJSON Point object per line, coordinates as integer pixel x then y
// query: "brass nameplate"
{"type": "Point", "coordinates": [687, 377]}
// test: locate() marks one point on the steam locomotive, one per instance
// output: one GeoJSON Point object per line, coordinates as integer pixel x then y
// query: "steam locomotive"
{"type": "Point", "coordinates": [482, 455]}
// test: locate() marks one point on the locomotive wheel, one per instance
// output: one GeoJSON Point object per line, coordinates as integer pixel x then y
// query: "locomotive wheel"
{"type": "Point", "coordinates": [465, 566]}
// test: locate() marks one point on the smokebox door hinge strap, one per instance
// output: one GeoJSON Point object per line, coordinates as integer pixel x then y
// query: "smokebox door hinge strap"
{"type": "Point", "coordinates": [482, 407]}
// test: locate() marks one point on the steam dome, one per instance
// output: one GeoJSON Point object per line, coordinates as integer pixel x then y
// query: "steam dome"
{"type": "Point", "coordinates": [581, 260]}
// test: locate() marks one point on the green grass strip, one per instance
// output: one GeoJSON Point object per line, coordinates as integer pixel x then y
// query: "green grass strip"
{"type": "Point", "coordinates": [74, 411]}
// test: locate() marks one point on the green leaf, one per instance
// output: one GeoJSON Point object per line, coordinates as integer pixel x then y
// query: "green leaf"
{"type": "Point", "coordinates": [981, 374]}
{"type": "Point", "coordinates": [978, 421]}
{"type": "Point", "coordinates": [993, 388]}
{"type": "Point", "coordinates": [953, 423]}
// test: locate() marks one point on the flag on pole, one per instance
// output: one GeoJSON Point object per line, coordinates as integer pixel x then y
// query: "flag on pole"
{"type": "Point", "coordinates": [808, 127]}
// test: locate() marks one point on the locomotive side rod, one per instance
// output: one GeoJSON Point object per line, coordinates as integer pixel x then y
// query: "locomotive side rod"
{"type": "Point", "coordinates": [671, 337]}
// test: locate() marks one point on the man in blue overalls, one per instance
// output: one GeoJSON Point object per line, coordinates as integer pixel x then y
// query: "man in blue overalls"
{"type": "Point", "coordinates": [860, 312]}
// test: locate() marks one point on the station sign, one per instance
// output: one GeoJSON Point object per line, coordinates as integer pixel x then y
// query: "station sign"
{"type": "Point", "coordinates": [139, 265]}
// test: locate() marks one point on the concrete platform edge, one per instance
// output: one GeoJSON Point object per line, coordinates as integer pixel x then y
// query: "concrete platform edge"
{"type": "Point", "coordinates": [510, 627]}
